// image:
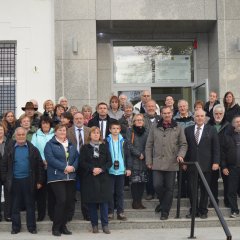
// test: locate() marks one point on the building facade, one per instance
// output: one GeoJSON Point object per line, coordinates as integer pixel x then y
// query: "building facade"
{"type": "Point", "coordinates": [87, 50]}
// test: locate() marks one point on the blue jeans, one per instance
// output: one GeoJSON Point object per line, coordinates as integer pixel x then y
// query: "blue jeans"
{"type": "Point", "coordinates": [118, 191]}
{"type": "Point", "coordinates": [92, 208]}
{"type": "Point", "coordinates": [22, 193]}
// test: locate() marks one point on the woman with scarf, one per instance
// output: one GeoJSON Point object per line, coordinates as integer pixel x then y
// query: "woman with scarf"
{"type": "Point", "coordinates": [137, 138]}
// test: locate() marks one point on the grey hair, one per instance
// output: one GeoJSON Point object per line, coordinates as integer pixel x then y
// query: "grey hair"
{"type": "Point", "coordinates": [182, 100]}
{"type": "Point", "coordinates": [219, 106]}
{"type": "Point", "coordinates": [62, 98]}
{"type": "Point", "coordinates": [145, 91]}
{"type": "Point", "coordinates": [199, 110]}
{"type": "Point", "coordinates": [128, 105]}
{"type": "Point", "coordinates": [20, 128]}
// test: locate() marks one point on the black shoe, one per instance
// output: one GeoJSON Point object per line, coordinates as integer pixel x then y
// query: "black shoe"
{"type": "Point", "coordinates": [164, 216]}
{"type": "Point", "coordinates": [86, 218]}
{"type": "Point", "coordinates": [34, 231]}
{"type": "Point", "coordinates": [0, 217]}
{"type": "Point", "coordinates": [189, 215]}
{"type": "Point", "coordinates": [203, 216]}
{"type": "Point", "coordinates": [15, 231]}
{"type": "Point", "coordinates": [65, 231]}
{"type": "Point", "coordinates": [158, 208]}
{"type": "Point", "coordinates": [56, 233]}
{"type": "Point", "coordinates": [40, 219]}
{"type": "Point", "coordinates": [8, 219]}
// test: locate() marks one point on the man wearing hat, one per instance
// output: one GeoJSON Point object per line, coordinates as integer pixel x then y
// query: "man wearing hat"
{"type": "Point", "coordinates": [30, 111]}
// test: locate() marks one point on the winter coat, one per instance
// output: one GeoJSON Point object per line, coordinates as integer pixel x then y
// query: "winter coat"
{"type": "Point", "coordinates": [137, 108]}
{"type": "Point", "coordinates": [164, 145]}
{"type": "Point", "coordinates": [36, 170]}
{"type": "Point", "coordinates": [148, 123]}
{"type": "Point", "coordinates": [231, 112]}
{"type": "Point", "coordinates": [57, 161]}
{"type": "Point", "coordinates": [95, 189]}
{"type": "Point", "coordinates": [184, 121]}
{"type": "Point", "coordinates": [210, 113]}
{"type": "Point", "coordinates": [40, 139]}
{"type": "Point", "coordinates": [137, 145]}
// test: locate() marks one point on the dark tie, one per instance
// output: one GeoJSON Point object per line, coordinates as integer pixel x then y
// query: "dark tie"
{"type": "Point", "coordinates": [80, 141]}
{"type": "Point", "coordinates": [101, 128]}
{"type": "Point", "coordinates": [197, 134]}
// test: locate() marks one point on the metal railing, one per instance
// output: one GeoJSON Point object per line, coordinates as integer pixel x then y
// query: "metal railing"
{"type": "Point", "coordinates": [194, 199]}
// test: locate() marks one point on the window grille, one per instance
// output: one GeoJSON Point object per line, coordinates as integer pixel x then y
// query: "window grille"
{"type": "Point", "coordinates": [7, 77]}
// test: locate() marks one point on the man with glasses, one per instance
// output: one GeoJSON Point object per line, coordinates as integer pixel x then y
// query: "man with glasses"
{"type": "Point", "coordinates": [140, 107]}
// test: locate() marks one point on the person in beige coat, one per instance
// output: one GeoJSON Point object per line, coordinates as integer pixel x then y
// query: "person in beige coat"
{"type": "Point", "coordinates": [166, 146]}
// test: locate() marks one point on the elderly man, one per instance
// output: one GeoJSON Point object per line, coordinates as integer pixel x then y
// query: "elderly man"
{"type": "Point", "coordinates": [140, 107]}
{"type": "Point", "coordinates": [203, 147]}
{"type": "Point", "coordinates": [23, 170]}
{"type": "Point", "coordinates": [123, 100]}
{"type": "Point", "coordinates": [230, 163]}
{"type": "Point", "coordinates": [222, 127]}
{"type": "Point", "coordinates": [35, 104]}
{"type": "Point", "coordinates": [78, 135]}
{"type": "Point", "coordinates": [166, 146]}
{"type": "Point", "coordinates": [150, 118]}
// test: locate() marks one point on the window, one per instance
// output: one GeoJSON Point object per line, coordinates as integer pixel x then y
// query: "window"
{"type": "Point", "coordinates": [7, 77]}
{"type": "Point", "coordinates": [153, 62]}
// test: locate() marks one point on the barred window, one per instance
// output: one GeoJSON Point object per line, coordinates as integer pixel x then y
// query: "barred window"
{"type": "Point", "coordinates": [7, 77]}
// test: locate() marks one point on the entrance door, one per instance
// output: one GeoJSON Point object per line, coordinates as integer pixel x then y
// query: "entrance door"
{"type": "Point", "coordinates": [160, 93]}
{"type": "Point", "coordinates": [200, 91]}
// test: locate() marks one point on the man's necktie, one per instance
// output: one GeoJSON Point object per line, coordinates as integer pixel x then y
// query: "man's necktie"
{"type": "Point", "coordinates": [197, 134]}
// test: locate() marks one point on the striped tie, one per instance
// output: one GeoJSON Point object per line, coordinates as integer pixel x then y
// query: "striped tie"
{"type": "Point", "coordinates": [197, 134]}
{"type": "Point", "coordinates": [80, 141]}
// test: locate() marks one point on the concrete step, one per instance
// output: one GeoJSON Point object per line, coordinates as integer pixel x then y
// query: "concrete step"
{"type": "Point", "coordinates": [131, 223]}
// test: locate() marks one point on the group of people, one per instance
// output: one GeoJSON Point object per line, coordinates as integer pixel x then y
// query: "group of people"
{"type": "Point", "coordinates": [45, 157]}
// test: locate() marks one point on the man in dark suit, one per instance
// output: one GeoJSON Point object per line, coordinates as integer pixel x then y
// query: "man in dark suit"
{"type": "Point", "coordinates": [102, 119]}
{"type": "Point", "coordinates": [78, 136]}
{"type": "Point", "coordinates": [203, 147]}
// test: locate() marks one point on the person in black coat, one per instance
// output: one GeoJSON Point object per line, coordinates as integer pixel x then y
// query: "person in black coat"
{"type": "Point", "coordinates": [102, 120]}
{"type": "Point", "coordinates": [23, 171]}
{"type": "Point", "coordinates": [232, 109]}
{"type": "Point", "coordinates": [222, 126]}
{"type": "Point", "coordinates": [208, 108]}
{"type": "Point", "coordinates": [230, 161]}
{"type": "Point", "coordinates": [204, 148]}
{"type": "Point", "coordinates": [95, 160]}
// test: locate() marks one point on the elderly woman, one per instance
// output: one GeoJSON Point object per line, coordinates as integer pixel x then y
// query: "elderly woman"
{"type": "Point", "coordinates": [87, 114]}
{"type": "Point", "coordinates": [137, 138]}
{"type": "Point", "coordinates": [126, 120]}
{"type": "Point", "coordinates": [114, 110]}
{"type": "Point", "coordinates": [39, 140]}
{"type": "Point", "coordinates": [95, 160]}
{"type": "Point", "coordinates": [62, 161]}
{"type": "Point", "coordinates": [9, 123]}
{"type": "Point", "coordinates": [48, 107]}
{"type": "Point", "coordinates": [232, 109]}
{"type": "Point", "coordinates": [64, 102]}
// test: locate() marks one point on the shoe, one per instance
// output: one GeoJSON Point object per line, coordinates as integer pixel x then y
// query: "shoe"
{"type": "Point", "coordinates": [8, 219]}
{"type": "Point", "coordinates": [203, 216]}
{"type": "Point", "coordinates": [122, 217]}
{"type": "Point", "coordinates": [87, 218]}
{"type": "Point", "coordinates": [0, 218]}
{"type": "Point", "coordinates": [142, 206]}
{"type": "Point", "coordinates": [234, 215]}
{"type": "Point", "coordinates": [158, 208]}
{"type": "Point", "coordinates": [106, 230]}
{"type": "Point", "coordinates": [149, 197]}
{"type": "Point", "coordinates": [95, 229]}
{"type": "Point", "coordinates": [135, 205]}
{"type": "Point", "coordinates": [15, 231]}
{"type": "Point", "coordinates": [189, 215]}
{"type": "Point", "coordinates": [164, 216]}
{"type": "Point", "coordinates": [34, 231]}
{"type": "Point", "coordinates": [56, 233]}
{"type": "Point", "coordinates": [110, 216]}
{"type": "Point", "coordinates": [210, 205]}
{"type": "Point", "coordinates": [40, 219]}
{"type": "Point", "coordinates": [65, 231]}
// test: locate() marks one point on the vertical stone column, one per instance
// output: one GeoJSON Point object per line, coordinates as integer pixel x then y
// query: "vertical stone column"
{"type": "Point", "coordinates": [76, 76]}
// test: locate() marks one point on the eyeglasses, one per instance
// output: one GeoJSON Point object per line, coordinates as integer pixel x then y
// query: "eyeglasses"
{"type": "Point", "coordinates": [139, 120]}
{"type": "Point", "coordinates": [146, 95]}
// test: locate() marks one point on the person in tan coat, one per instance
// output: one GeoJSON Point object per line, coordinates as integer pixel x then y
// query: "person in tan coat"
{"type": "Point", "coordinates": [166, 146]}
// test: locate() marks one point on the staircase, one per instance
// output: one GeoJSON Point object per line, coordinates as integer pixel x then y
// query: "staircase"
{"type": "Point", "coordinates": [142, 218]}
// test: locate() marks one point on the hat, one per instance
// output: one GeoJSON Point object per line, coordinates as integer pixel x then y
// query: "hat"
{"type": "Point", "coordinates": [29, 105]}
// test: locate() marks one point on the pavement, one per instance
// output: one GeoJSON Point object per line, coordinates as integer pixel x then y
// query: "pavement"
{"type": "Point", "coordinates": [131, 234]}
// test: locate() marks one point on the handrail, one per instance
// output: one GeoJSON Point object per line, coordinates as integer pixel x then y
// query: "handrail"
{"type": "Point", "coordinates": [194, 200]}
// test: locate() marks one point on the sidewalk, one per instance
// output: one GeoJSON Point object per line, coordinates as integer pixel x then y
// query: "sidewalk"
{"type": "Point", "coordinates": [132, 234]}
